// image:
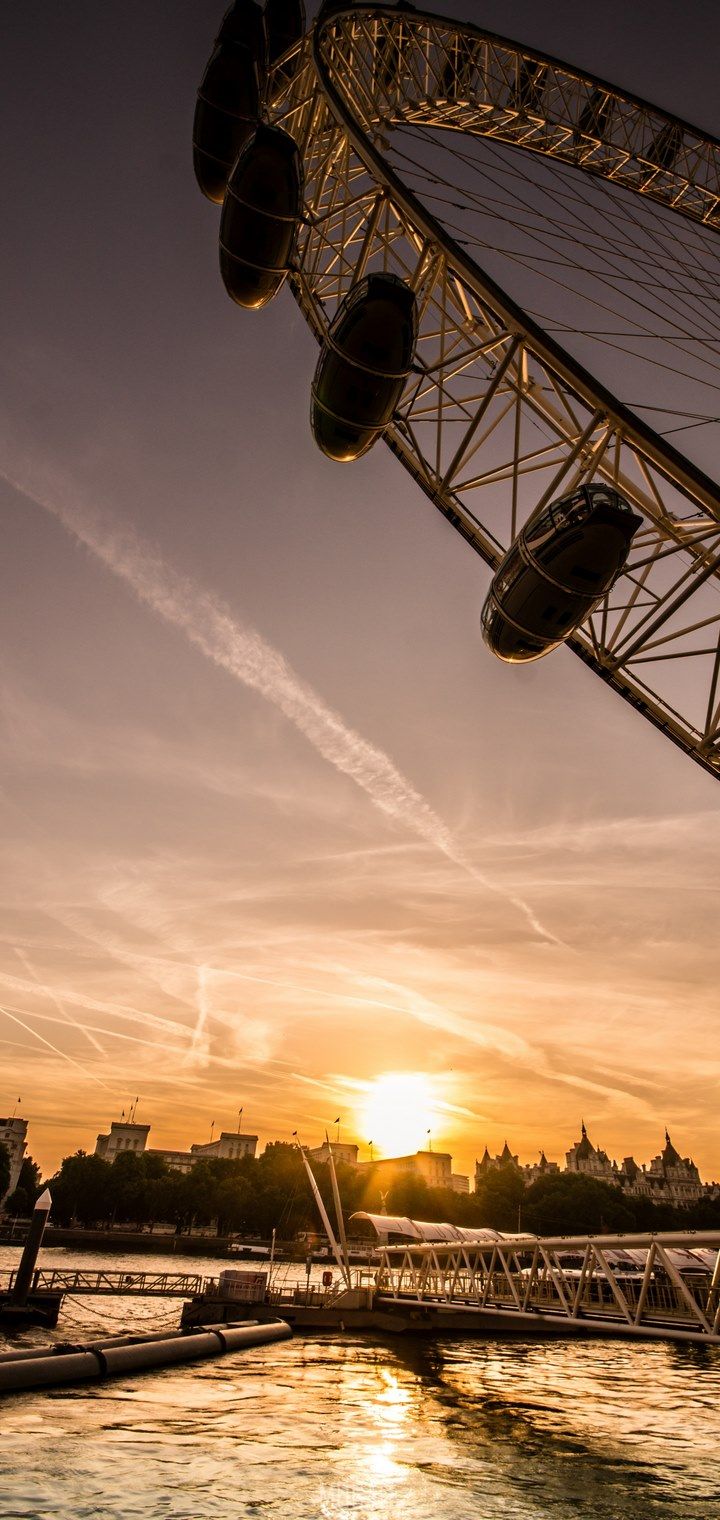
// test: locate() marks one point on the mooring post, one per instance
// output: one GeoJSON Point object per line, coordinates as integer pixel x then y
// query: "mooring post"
{"type": "Point", "coordinates": [23, 1276]}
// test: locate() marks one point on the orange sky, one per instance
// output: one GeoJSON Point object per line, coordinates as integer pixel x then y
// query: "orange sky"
{"type": "Point", "coordinates": [273, 821]}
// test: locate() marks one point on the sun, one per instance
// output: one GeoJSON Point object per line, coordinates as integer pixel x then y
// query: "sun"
{"type": "Point", "coordinates": [398, 1112]}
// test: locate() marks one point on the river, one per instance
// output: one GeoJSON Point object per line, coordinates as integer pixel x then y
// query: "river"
{"type": "Point", "coordinates": [360, 1428]}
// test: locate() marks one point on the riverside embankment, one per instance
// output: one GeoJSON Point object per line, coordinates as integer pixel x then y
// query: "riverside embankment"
{"type": "Point", "coordinates": [119, 1240]}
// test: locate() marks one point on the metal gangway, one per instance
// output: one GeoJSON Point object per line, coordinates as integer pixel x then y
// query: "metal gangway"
{"type": "Point", "coordinates": [141, 1284]}
{"type": "Point", "coordinates": [663, 1285]}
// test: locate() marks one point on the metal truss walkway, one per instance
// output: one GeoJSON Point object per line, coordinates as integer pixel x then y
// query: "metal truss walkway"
{"type": "Point", "coordinates": [664, 1286]}
{"type": "Point", "coordinates": [141, 1284]}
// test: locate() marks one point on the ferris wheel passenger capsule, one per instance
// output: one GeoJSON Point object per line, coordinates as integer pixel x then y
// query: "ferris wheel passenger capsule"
{"type": "Point", "coordinates": [562, 563]}
{"type": "Point", "coordinates": [363, 366]}
{"type": "Point", "coordinates": [260, 217]}
{"type": "Point", "coordinates": [228, 100]}
{"type": "Point", "coordinates": [284, 25]}
{"type": "Point", "coordinates": [244, 25]}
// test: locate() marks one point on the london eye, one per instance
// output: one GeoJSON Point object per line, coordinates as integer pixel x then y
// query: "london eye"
{"type": "Point", "coordinates": [512, 270]}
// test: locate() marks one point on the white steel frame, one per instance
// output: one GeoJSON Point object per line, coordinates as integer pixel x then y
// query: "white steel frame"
{"type": "Point", "coordinates": [529, 1276]}
{"type": "Point", "coordinates": [497, 418]}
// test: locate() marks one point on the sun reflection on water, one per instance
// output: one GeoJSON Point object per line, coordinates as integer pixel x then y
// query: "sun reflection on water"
{"type": "Point", "coordinates": [351, 1428]}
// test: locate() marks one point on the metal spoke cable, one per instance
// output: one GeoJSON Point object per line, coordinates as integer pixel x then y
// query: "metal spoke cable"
{"type": "Point", "coordinates": [652, 229]}
{"type": "Point", "coordinates": [486, 204]}
{"type": "Point", "coordinates": [419, 170]}
{"type": "Point", "coordinates": [574, 190]}
{"type": "Point", "coordinates": [679, 340]}
{"type": "Point", "coordinates": [670, 368]}
{"type": "Point", "coordinates": [608, 278]}
{"type": "Point", "coordinates": [619, 243]}
{"type": "Point", "coordinates": [702, 242]}
{"type": "Point", "coordinates": [684, 296]}
{"type": "Point", "coordinates": [530, 183]}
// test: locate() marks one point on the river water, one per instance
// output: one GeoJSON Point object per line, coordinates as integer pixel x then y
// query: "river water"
{"type": "Point", "coordinates": [351, 1428]}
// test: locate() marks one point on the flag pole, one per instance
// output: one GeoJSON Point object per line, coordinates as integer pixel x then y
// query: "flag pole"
{"type": "Point", "coordinates": [321, 1206]}
{"type": "Point", "coordinates": [339, 1213]}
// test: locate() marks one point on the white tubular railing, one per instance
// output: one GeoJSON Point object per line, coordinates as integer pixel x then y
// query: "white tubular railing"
{"type": "Point", "coordinates": [665, 1284]}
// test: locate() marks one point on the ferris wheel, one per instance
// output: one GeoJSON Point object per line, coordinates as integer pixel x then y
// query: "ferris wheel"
{"type": "Point", "coordinates": [513, 272]}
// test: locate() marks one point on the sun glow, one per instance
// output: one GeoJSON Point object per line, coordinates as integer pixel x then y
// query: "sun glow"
{"type": "Point", "coordinates": [398, 1116]}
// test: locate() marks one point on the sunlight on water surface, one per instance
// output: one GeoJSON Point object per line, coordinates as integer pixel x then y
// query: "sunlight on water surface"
{"type": "Point", "coordinates": [360, 1429]}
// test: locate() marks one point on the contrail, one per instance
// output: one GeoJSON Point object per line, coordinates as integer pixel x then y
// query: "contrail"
{"type": "Point", "coordinates": [56, 1049]}
{"type": "Point", "coordinates": [198, 1044]}
{"type": "Point", "coordinates": [112, 1034]}
{"type": "Point", "coordinates": [210, 625]}
{"type": "Point", "coordinates": [67, 1015]}
{"type": "Point", "coordinates": [95, 1005]}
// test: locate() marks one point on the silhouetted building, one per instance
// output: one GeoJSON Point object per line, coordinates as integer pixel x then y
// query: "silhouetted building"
{"type": "Point", "coordinates": [490, 1163]}
{"type": "Point", "coordinates": [669, 1177]}
{"type": "Point", "coordinates": [583, 1157]}
{"type": "Point", "coordinates": [435, 1167]}
{"type": "Point", "coordinates": [13, 1135]}
{"type": "Point", "coordinates": [123, 1137]}
{"type": "Point", "coordinates": [540, 1168]}
{"type": "Point", "coordinates": [228, 1147]}
{"type": "Point", "coordinates": [339, 1149]}
{"type": "Point", "coordinates": [459, 1183]}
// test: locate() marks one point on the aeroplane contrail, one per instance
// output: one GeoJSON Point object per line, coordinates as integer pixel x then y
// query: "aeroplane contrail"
{"type": "Point", "coordinates": [211, 626]}
{"type": "Point", "coordinates": [55, 1049]}
{"type": "Point", "coordinates": [68, 1016]}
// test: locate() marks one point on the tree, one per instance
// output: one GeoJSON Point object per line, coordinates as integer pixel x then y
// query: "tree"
{"type": "Point", "coordinates": [500, 1197]}
{"type": "Point", "coordinates": [22, 1202]}
{"type": "Point", "coordinates": [570, 1203]}
{"type": "Point", "coordinates": [236, 1206]}
{"type": "Point", "coordinates": [410, 1195]}
{"type": "Point", "coordinates": [30, 1177]}
{"type": "Point", "coordinates": [81, 1191]}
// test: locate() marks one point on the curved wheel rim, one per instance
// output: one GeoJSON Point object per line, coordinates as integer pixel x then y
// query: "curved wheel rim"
{"type": "Point", "coordinates": [360, 212]}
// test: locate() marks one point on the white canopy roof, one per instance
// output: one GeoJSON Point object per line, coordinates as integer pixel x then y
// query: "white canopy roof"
{"type": "Point", "coordinates": [426, 1231]}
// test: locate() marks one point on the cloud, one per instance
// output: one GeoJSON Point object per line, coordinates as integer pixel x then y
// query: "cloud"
{"type": "Point", "coordinates": [55, 1049]}
{"type": "Point", "coordinates": [67, 1016]}
{"type": "Point", "coordinates": [119, 1011]}
{"type": "Point", "coordinates": [239, 649]}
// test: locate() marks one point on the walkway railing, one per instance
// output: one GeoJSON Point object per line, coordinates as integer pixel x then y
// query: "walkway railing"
{"type": "Point", "coordinates": [147, 1284]}
{"type": "Point", "coordinates": [645, 1285]}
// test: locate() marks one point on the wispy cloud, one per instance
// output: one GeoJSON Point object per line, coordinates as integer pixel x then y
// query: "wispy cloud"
{"type": "Point", "coordinates": [210, 626]}
{"type": "Point", "coordinates": [88, 1029]}
{"type": "Point", "coordinates": [119, 1011]}
{"type": "Point", "coordinates": [47, 991]}
{"type": "Point", "coordinates": [63, 1054]}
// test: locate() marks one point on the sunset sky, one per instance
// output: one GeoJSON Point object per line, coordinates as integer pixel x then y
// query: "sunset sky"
{"type": "Point", "coordinates": [274, 823]}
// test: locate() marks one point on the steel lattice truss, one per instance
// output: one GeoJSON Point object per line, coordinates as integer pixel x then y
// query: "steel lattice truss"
{"type": "Point", "coordinates": [582, 1282]}
{"type": "Point", "coordinates": [497, 418]}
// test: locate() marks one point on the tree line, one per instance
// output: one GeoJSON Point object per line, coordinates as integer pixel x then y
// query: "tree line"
{"type": "Point", "coordinates": [253, 1196]}
{"type": "Point", "coordinates": [21, 1201]}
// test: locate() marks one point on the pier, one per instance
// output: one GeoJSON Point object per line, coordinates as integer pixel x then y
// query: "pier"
{"type": "Point", "coordinates": [637, 1286]}
{"type": "Point", "coordinates": [643, 1286]}
{"type": "Point", "coordinates": [145, 1284]}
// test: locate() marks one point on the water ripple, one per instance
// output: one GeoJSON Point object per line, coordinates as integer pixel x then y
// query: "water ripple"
{"type": "Point", "coordinates": [345, 1429]}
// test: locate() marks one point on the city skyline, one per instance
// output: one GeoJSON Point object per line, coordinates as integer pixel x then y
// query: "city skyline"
{"type": "Point", "coordinates": [274, 822]}
{"type": "Point", "coordinates": [176, 1140]}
